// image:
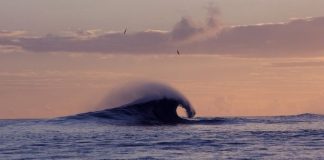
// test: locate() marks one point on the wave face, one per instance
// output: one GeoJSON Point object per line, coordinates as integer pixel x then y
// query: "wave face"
{"type": "Point", "coordinates": [157, 104]}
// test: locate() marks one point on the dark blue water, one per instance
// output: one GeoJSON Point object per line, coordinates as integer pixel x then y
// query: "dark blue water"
{"type": "Point", "coordinates": [284, 137]}
{"type": "Point", "coordinates": [150, 128]}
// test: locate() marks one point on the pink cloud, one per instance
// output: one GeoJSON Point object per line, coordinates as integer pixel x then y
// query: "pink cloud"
{"type": "Point", "coordinates": [6, 33]}
{"type": "Point", "coordinates": [296, 38]}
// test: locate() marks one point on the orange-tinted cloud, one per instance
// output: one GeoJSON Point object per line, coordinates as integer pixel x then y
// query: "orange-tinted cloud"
{"type": "Point", "coordinates": [299, 64]}
{"type": "Point", "coordinates": [6, 33]}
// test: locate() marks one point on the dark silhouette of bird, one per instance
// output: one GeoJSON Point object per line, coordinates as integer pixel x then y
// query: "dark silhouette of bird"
{"type": "Point", "coordinates": [125, 30]}
{"type": "Point", "coordinates": [178, 52]}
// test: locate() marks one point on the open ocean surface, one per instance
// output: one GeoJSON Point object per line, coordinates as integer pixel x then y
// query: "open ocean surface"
{"type": "Point", "coordinates": [284, 137]}
{"type": "Point", "coordinates": [149, 128]}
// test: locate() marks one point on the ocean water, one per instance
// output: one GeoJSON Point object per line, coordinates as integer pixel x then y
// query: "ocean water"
{"type": "Point", "coordinates": [284, 137]}
{"type": "Point", "coordinates": [150, 128]}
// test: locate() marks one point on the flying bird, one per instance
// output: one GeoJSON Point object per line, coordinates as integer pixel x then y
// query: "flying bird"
{"type": "Point", "coordinates": [125, 30]}
{"type": "Point", "coordinates": [178, 52]}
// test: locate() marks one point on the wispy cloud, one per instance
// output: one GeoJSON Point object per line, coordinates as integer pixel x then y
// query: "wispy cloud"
{"type": "Point", "coordinates": [299, 64]}
{"type": "Point", "coordinates": [6, 33]}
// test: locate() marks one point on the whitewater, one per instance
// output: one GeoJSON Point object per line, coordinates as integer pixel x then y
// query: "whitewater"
{"type": "Point", "coordinates": [145, 125]}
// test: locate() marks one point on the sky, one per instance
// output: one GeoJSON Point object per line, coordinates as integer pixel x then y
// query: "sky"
{"type": "Point", "coordinates": [238, 57]}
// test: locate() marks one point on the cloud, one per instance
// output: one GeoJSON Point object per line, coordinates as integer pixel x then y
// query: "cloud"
{"type": "Point", "coordinates": [7, 38]}
{"type": "Point", "coordinates": [302, 37]}
{"type": "Point", "coordinates": [299, 64]}
{"type": "Point", "coordinates": [186, 30]}
{"type": "Point", "coordinates": [150, 41]}
{"type": "Point", "coordinates": [85, 34]}
{"type": "Point", "coordinates": [8, 49]}
{"type": "Point", "coordinates": [6, 33]}
{"type": "Point", "coordinates": [296, 38]}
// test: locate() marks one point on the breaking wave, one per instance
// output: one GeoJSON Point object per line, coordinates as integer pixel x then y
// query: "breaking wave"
{"type": "Point", "coordinates": [154, 104]}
